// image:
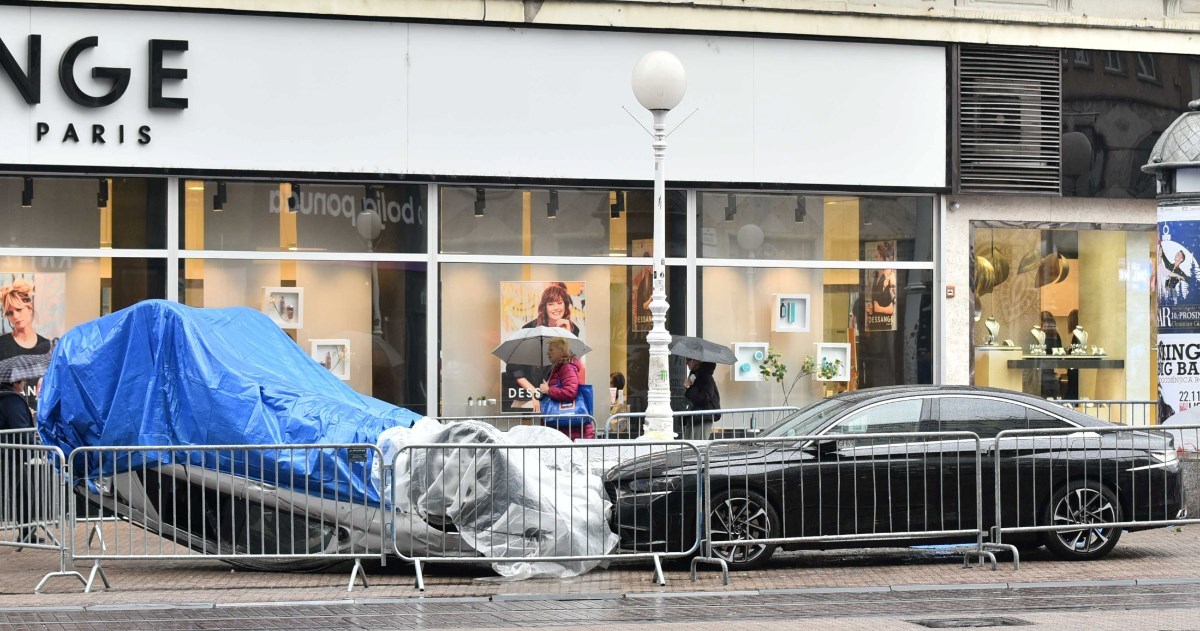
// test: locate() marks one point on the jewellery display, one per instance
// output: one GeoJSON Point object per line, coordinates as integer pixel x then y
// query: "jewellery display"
{"type": "Point", "coordinates": [993, 329]}
{"type": "Point", "coordinates": [1079, 339]}
{"type": "Point", "coordinates": [1039, 341]}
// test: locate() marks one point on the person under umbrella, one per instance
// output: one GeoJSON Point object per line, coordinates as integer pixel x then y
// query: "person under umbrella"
{"type": "Point", "coordinates": [700, 387]}
{"type": "Point", "coordinates": [563, 383]}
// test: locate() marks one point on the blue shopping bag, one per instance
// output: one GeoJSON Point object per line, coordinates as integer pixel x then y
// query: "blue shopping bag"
{"type": "Point", "coordinates": [569, 414]}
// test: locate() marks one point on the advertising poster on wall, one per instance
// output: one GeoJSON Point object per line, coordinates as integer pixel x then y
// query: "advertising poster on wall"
{"type": "Point", "coordinates": [49, 303]}
{"type": "Point", "coordinates": [526, 304]}
{"type": "Point", "coordinates": [881, 290]}
{"type": "Point", "coordinates": [1177, 280]}
{"type": "Point", "coordinates": [641, 287]}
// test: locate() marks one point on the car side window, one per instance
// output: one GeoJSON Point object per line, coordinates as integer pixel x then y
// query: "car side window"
{"type": "Point", "coordinates": [894, 416]}
{"type": "Point", "coordinates": [1038, 419]}
{"type": "Point", "coordinates": [986, 417]}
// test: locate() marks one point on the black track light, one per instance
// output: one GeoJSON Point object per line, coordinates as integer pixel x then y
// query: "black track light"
{"type": "Point", "coordinates": [102, 194]}
{"type": "Point", "coordinates": [26, 192]}
{"type": "Point", "coordinates": [294, 198]}
{"type": "Point", "coordinates": [220, 198]}
{"type": "Point", "coordinates": [552, 205]}
{"type": "Point", "coordinates": [801, 209]}
{"type": "Point", "coordinates": [480, 201]}
{"type": "Point", "coordinates": [731, 207]}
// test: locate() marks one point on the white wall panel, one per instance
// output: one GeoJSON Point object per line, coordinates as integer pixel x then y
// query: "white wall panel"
{"type": "Point", "coordinates": [286, 94]}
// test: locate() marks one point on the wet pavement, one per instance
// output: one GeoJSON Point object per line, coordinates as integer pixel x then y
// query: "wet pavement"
{"type": "Point", "coordinates": [1154, 572]}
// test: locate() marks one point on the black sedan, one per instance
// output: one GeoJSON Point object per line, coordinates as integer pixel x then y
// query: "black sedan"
{"type": "Point", "coordinates": [893, 471]}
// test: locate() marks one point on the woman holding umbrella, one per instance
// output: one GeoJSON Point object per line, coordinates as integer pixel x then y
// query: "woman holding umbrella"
{"type": "Point", "coordinates": [700, 387]}
{"type": "Point", "coordinates": [563, 383]}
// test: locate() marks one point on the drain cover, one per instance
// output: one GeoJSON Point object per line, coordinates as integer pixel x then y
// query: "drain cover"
{"type": "Point", "coordinates": [970, 623]}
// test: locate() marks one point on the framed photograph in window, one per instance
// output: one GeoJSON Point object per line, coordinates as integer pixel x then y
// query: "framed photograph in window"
{"type": "Point", "coordinates": [334, 355]}
{"type": "Point", "coordinates": [285, 306]}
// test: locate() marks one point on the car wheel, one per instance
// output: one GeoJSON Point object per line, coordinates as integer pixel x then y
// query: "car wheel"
{"type": "Point", "coordinates": [1082, 503]}
{"type": "Point", "coordinates": [743, 516]}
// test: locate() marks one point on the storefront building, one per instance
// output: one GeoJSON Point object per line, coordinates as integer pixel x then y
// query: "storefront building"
{"type": "Point", "coordinates": [399, 195]}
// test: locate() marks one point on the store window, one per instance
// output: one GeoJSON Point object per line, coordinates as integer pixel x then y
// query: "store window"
{"type": "Point", "coordinates": [303, 217]}
{"type": "Point", "coordinates": [781, 227]}
{"type": "Point", "coordinates": [875, 325]}
{"type": "Point", "coordinates": [68, 291]}
{"type": "Point", "coordinates": [556, 221]}
{"type": "Point", "coordinates": [484, 304]}
{"type": "Point", "coordinates": [364, 321]}
{"type": "Point", "coordinates": [56, 212]}
{"type": "Point", "coordinates": [1064, 311]}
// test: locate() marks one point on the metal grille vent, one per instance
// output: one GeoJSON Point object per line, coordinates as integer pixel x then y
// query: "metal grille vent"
{"type": "Point", "coordinates": [1010, 120]}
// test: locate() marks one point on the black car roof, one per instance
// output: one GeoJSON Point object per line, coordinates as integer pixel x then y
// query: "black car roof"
{"type": "Point", "coordinates": [868, 394]}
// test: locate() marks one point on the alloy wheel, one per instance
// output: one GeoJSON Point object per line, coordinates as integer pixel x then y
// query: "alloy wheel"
{"type": "Point", "coordinates": [1084, 506]}
{"type": "Point", "coordinates": [741, 519]}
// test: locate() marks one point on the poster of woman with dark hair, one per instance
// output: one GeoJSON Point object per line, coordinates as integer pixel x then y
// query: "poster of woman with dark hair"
{"type": "Point", "coordinates": [881, 289]}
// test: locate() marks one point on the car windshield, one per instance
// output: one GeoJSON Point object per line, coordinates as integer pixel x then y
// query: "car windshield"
{"type": "Point", "coordinates": [807, 421]}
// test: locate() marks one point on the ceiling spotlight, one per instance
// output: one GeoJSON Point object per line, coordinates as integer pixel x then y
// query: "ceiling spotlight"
{"type": "Point", "coordinates": [731, 207]}
{"type": "Point", "coordinates": [480, 201]}
{"type": "Point", "coordinates": [102, 194]}
{"type": "Point", "coordinates": [801, 209]}
{"type": "Point", "coordinates": [220, 198]}
{"type": "Point", "coordinates": [552, 205]}
{"type": "Point", "coordinates": [294, 198]}
{"type": "Point", "coordinates": [26, 192]}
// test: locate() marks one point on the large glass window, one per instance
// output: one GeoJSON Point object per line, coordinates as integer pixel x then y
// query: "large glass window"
{"type": "Point", "coordinates": [878, 323]}
{"type": "Point", "coordinates": [364, 321]}
{"type": "Point", "coordinates": [68, 291]}
{"type": "Point", "coordinates": [57, 212]}
{"type": "Point", "coordinates": [1064, 311]}
{"type": "Point", "coordinates": [308, 217]}
{"type": "Point", "coordinates": [781, 227]}
{"type": "Point", "coordinates": [484, 304]}
{"type": "Point", "coordinates": [555, 222]}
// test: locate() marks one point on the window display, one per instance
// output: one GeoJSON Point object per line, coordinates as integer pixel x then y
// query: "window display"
{"type": "Point", "coordinates": [1080, 294]}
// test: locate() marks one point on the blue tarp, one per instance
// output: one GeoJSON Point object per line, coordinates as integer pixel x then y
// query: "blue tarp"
{"type": "Point", "coordinates": [163, 374]}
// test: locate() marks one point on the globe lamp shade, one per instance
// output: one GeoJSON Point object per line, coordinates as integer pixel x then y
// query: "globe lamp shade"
{"type": "Point", "coordinates": [659, 80]}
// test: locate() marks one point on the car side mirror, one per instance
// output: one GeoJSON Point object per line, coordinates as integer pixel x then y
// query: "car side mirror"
{"type": "Point", "coordinates": [826, 448]}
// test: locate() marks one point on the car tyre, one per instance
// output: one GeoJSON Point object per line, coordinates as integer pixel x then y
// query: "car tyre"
{"type": "Point", "coordinates": [1082, 502]}
{"type": "Point", "coordinates": [743, 515]}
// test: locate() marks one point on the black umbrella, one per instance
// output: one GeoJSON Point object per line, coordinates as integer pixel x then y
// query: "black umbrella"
{"type": "Point", "coordinates": [701, 349]}
{"type": "Point", "coordinates": [24, 367]}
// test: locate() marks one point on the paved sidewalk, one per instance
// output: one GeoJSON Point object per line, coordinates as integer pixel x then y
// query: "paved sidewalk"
{"type": "Point", "coordinates": [1145, 558]}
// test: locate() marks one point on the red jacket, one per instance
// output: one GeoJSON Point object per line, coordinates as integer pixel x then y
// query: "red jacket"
{"type": "Point", "coordinates": [564, 381]}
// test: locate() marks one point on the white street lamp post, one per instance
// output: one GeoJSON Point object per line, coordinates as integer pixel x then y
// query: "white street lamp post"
{"type": "Point", "coordinates": [659, 82]}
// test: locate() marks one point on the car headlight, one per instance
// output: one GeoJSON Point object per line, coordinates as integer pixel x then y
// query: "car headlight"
{"type": "Point", "coordinates": [654, 485]}
{"type": "Point", "coordinates": [1164, 456]}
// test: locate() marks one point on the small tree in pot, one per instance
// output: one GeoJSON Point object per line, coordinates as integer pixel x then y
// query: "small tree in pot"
{"type": "Point", "coordinates": [773, 368]}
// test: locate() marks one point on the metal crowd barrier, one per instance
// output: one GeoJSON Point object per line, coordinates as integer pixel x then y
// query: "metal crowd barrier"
{"type": "Point", "coordinates": [700, 424]}
{"type": "Point", "coordinates": [1136, 413]}
{"type": "Point", "coordinates": [506, 422]}
{"type": "Point", "coordinates": [1075, 490]}
{"type": "Point", "coordinates": [521, 507]}
{"type": "Point", "coordinates": [261, 507]}
{"type": "Point", "coordinates": [33, 499]}
{"type": "Point", "coordinates": [20, 437]}
{"type": "Point", "coordinates": [797, 490]}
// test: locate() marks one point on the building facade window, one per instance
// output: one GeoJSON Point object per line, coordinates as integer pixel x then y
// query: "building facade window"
{"type": "Point", "coordinates": [1064, 311]}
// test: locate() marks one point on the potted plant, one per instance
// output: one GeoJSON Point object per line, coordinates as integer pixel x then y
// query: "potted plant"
{"type": "Point", "coordinates": [773, 368]}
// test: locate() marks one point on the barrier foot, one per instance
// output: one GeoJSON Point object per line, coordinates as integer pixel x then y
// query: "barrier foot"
{"type": "Point", "coordinates": [719, 562]}
{"type": "Point", "coordinates": [42, 583]}
{"type": "Point", "coordinates": [97, 533]}
{"type": "Point", "coordinates": [1004, 547]}
{"type": "Point", "coordinates": [420, 582]}
{"type": "Point", "coordinates": [659, 577]}
{"type": "Point", "coordinates": [91, 580]}
{"type": "Point", "coordinates": [982, 555]}
{"type": "Point", "coordinates": [358, 572]}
